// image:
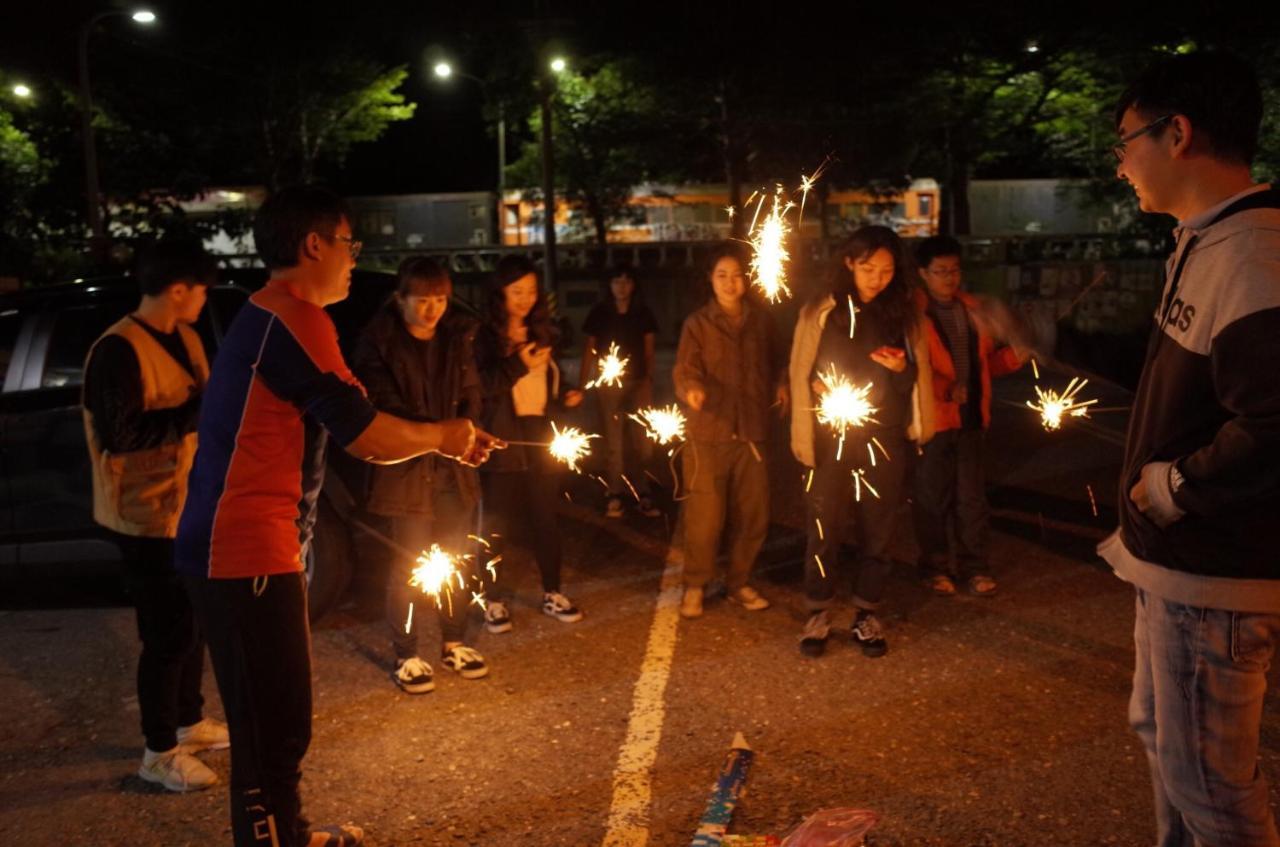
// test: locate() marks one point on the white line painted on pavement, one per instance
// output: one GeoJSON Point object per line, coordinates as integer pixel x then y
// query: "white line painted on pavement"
{"type": "Point", "coordinates": [632, 788]}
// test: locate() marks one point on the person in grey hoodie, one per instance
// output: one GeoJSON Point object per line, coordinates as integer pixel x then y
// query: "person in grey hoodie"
{"type": "Point", "coordinates": [1200, 484]}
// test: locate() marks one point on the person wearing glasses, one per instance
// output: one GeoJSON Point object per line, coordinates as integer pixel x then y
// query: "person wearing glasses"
{"type": "Point", "coordinates": [1200, 482]}
{"type": "Point", "coordinates": [949, 496]}
{"type": "Point", "coordinates": [278, 390]}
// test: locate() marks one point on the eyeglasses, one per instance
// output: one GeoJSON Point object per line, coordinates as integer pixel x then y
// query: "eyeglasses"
{"type": "Point", "coordinates": [353, 245]}
{"type": "Point", "coordinates": [1118, 147]}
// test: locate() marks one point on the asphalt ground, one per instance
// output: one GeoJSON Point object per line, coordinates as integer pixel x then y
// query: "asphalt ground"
{"type": "Point", "coordinates": [991, 721]}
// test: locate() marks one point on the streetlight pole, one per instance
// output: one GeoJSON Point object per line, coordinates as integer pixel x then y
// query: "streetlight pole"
{"type": "Point", "coordinates": [93, 193]}
{"type": "Point", "coordinates": [548, 188]}
{"type": "Point", "coordinates": [444, 70]}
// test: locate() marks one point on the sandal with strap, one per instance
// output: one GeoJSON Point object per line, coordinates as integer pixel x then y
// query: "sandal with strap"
{"type": "Point", "coordinates": [941, 585]}
{"type": "Point", "coordinates": [981, 585]}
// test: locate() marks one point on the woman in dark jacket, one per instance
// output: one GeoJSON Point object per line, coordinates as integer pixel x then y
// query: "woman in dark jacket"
{"type": "Point", "coordinates": [417, 362]}
{"type": "Point", "coordinates": [521, 387]}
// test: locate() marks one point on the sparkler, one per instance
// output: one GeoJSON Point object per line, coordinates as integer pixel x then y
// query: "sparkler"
{"type": "Point", "coordinates": [662, 424]}
{"type": "Point", "coordinates": [859, 480]}
{"type": "Point", "coordinates": [570, 445]}
{"type": "Point", "coordinates": [853, 316]}
{"type": "Point", "coordinates": [435, 570]}
{"type": "Point", "coordinates": [769, 251]}
{"type": "Point", "coordinates": [1052, 406]}
{"type": "Point", "coordinates": [843, 405]}
{"type": "Point", "coordinates": [609, 369]}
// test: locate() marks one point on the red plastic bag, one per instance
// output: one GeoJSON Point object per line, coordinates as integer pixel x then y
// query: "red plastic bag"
{"type": "Point", "coordinates": [833, 828]}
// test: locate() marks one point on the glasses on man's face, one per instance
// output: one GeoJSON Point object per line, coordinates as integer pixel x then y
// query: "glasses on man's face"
{"type": "Point", "coordinates": [352, 244]}
{"type": "Point", "coordinates": [1118, 147]}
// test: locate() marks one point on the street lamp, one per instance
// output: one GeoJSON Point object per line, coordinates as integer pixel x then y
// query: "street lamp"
{"type": "Point", "coordinates": [443, 70]}
{"type": "Point", "coordinates": [93, 193]}
{"type": "Point", "coordinates": [22, 91]}
{"type": "Point", "coordinates": [558, 64]}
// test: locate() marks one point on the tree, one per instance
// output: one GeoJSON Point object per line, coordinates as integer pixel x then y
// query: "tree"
{"type": "Point", "coordinates": [22, 171]}
{"type": "Point", "coordinates": [604, 126]}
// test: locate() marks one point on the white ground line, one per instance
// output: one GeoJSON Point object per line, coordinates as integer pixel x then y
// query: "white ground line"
{"type": "Point", "coordinates": [632, 778]}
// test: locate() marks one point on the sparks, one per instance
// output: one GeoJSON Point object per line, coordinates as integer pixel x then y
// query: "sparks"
{"type": "Point", "coordinates": [434, 570]}
{"type": "Point", "coordinates": [821, 569]}
{"type": "Point", "coordinates": [630, 487]}
{"type": "Point", "coordinates": [769, 250]}
{"type": "Point", "coordinates": [730, 211]}
{"type": "Point", "coordinates": [662, 424]}
{"type": "Point", "coordinates": [570, 445]}
{"type": "Point", "coordinates": [408, 624]}
{"type": "Point", "coordinates": [853, 316]}
{"type": "Point", "coordinates": [859, 480]}
{"type": "Point", "coordinates": [1035, 369]}
{"type": "Point", "coordinates": [1093, 504]}
{"type": "Point", "coordinates": [478, 599]}
{"type": "Point", "coordinates": [843, 405]}
{"type": "Point", "coordinates": [872, 454]}
{"type": "Point", "coordinates": [809, 481]}
{"type": "Point", "coordinates": [609, 368]}
{"type": "Point", "coordinates": [1052, 405]}
{"type": "Point", "coordinates": [489, 566]}
{"type": "Point", "coordinates": [820, 535]}
{"type": "Point", "coordinates": [880, 447]}
{"type": "Point", "coordinates": [480, 541]}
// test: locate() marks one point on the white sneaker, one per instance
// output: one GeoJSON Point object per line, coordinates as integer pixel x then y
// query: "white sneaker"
{"type": "Point", "coordinates": [414, 676]}
{"type": "Point", "coordinates": [208, 734]}
{"type": "Point", "coordinates": [496, 617]}
{"type": "Point", "coordinates": [749, 599]}
{"type": "Point", "coordinates": [560, 607]}
{"type": "Point", "coordinates": [176, 770]}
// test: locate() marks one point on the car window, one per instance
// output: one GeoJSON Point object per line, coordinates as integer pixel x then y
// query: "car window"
{"type": "Point", "coordinates": [10, 322]}
{"type": "Point", "coordinates": [74, 331]}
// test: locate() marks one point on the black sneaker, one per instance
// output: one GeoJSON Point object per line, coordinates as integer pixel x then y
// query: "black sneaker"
{"type": "Point", "coordinates": [813, 642]}
{"type": "Point", "coordinates": [414, 676]}
{"type": "Point", "coordinates": [869, 635]}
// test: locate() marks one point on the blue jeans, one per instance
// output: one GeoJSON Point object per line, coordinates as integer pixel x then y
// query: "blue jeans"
{"type": "Point", "coordinates": [1198, 686]}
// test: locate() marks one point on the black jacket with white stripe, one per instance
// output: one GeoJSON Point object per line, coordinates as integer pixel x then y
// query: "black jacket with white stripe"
{"type": "Point", "coordinates": [1209, 400]}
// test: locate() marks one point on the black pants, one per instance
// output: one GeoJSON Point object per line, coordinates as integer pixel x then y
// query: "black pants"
{"type": "Point", "coordinates": [448, 527]}
{"type": "Point", "coordinates": [260, 644]}
{"type": "Point", "coordinates": [171, 664]}
{"type": "Point", "coordinates": [832, 493]}
{"type": "Point", "coordinates": [950, 493]}
{"type": "Point", "coordinates": [521, 506]}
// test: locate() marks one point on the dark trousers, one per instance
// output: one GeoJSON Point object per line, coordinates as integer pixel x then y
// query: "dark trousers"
{"type": "Point", "coordinates": [448, 527]}
{"type": "Point", "coordinates": [832, 494]}
{"type": "Point", "coordinates": [950, 498]}
{"type": "Point", "coordinates": [171, 664]}
{"type": "Point", "coordinates": [615, 406]}
{"type": "Point", "coordinates": [521, 506]}
{"type": "Point", "coordinates": [260, 644]}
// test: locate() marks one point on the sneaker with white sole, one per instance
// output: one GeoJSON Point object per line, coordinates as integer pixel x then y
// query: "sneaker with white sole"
{"type": "Point", "coordinates": [465, 661]}
{"type": "Point", "coordinates": [207, 734]}
{"type": "Point", "coordinates": [560, 607]}
{"type": "Point", "coordinates": [414, 676]}
{"type": "Point", "coordinates": [496, 617]}
{"type": "Point", "coordinates": [749, 599]}
{"type": "Point", "coordinates": [176, 770]}
{"type": "Point", "coordinates": [613, 509]}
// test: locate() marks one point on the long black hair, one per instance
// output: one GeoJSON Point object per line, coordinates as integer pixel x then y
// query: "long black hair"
{"type": "Point", "coordinates": [892, 305]}
{"type": "Point", "coordinates": [510, 269]}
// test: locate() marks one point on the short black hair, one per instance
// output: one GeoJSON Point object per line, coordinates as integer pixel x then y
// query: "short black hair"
{"type": "Point", "coordinates": [935, 246]}
{"type": "Point", "coordinates": [285, 219]}
{"type": "Point", "coordinates": [1216, 91]}
{"type": "Point", "coordinates": [172, 260]}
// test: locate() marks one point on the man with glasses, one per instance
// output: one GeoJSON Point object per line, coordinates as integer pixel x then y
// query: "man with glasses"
{"type": "Point", "coordinates": [279, 388]}
{"type": "Point", "coordinates": [1200, 485]}
{"type": "Point", "coordinates": [950, 489]}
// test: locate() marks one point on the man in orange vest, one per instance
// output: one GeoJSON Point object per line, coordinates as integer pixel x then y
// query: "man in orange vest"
{"type": "Point", "coordinates": [143, 381]}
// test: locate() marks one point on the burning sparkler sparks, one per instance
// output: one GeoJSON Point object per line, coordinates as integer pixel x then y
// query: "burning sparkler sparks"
{"type": "Point", "coordinates": [1052, 406]}
{"type": "Point", "coordinates": [435, 570]}
{"type": "Point", "coordinates": [843, 405]}
{"type": "Point", "coordinates": [570, 445]}
{"type": "Point", "coordinates": [769, 250]}
{"type": "Point", "coordinates": [610, 369]}
{"type": "Point", "coordinates": [662, 424]}
{"type": "Point", "coordinates": [860, 480]}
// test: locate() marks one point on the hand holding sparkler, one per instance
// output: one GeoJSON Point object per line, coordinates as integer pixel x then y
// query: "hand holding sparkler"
{"type": "Point", "coordinates": [569, 445]}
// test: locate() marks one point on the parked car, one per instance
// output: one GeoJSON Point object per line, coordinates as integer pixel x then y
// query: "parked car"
{"type": "Point", "coordinates": [46, 499]}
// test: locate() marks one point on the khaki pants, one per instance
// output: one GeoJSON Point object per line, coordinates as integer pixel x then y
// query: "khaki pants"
{"type": "Point", "coordinates": [725, 482]}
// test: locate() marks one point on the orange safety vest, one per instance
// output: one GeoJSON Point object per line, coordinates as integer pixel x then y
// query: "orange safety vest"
{"type": "Point", "coordinates": [142, 492]}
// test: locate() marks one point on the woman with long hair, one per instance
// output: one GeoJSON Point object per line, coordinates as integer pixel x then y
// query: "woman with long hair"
{"type": "Point", "coordinates": [863, 330]}
{"type": "Point", "coordinates": [514, 354]}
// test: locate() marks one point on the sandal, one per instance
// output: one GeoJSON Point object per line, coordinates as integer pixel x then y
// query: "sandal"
{"type": "Point", "coordinates": [941, 585]}
{"type": "Point", "coordinates": [981, 585]}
